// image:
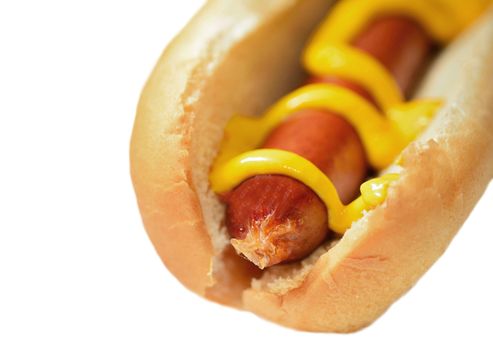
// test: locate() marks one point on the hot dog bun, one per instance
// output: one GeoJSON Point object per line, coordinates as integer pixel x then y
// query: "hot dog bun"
{"type": "Point", "coordinates": [240, 63]}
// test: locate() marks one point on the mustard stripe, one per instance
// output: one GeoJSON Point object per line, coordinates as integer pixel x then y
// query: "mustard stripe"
{"type": "Point", "coordinates": [273, 161]}
{"type": "Point", "coordinates": [354, 65]}
{"type": "Point", "coordinates": [350, 17]}
{"type": "Point", "coordinates": [380, 139]}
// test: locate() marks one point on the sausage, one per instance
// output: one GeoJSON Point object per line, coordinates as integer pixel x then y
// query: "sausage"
{"type": "Point", "coordinates": [273, 218]}
{"type": "Point", "coordinates": [401, 45]}
{"type": "Point", "coordinates": [285, 210]}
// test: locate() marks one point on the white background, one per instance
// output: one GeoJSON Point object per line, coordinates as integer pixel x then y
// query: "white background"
{"type": "Point", "coordinates": [76, 268]}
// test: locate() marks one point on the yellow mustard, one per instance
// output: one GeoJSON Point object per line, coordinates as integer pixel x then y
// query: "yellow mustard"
{"type": "Point", "coordinates": [350, 17]}
{"type": "Point", "coordinates": [273, 161]}
{"type": "Point", "coordinates": [330, 52]}
{"type": "Point", "coordinates": [355, 65]}
{"type": "Point", "coordinates": [383, 137]}
{"type": "Point", "coordinates": [383, 134]}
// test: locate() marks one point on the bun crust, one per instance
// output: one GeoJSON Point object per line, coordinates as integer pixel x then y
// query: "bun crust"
{"type": "Point", "coordinates": [210, 72]}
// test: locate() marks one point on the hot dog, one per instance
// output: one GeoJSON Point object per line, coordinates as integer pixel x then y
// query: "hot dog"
{"type": "Point", "coordinates": [346, 283]}
{"type": "Point", "coordinates": [276, 219]}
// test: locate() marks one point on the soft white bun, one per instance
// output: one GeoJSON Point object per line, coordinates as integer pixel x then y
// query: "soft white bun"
{"type": "Point", "coordinates": [239, 57]}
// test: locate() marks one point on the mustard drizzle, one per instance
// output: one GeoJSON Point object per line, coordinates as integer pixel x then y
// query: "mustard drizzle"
{"type": "Point", "coordinates": [384, 135]}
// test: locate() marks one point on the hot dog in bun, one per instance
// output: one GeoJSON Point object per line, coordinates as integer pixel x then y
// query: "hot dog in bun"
{"type": "Point", "coordinates": [310, 160]}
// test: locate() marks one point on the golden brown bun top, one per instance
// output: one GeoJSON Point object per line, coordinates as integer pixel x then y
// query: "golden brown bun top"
{"type": "Point", "coordinates": [233, 57]}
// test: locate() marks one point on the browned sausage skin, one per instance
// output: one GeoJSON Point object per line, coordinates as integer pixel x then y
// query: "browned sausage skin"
{"type": "Point", "coordinates": [273, 218]}
{"type": "Point", "coordinates": [279, 219]}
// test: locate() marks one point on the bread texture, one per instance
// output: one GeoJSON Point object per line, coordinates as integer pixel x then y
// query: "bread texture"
{"type": "Point", "coordinates": [238, 57]}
